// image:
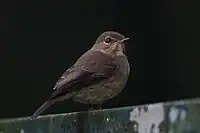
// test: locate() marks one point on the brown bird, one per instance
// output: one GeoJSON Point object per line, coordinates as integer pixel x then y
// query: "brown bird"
{"type": "Point", "coordinates": [98, 75]}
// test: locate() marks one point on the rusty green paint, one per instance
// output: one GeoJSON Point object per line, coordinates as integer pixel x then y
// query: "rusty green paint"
{"type": "Point", "coordinates": [173, 117]}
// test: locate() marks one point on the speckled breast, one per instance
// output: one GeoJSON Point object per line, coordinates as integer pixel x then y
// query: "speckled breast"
{"type": "Point", "coordinates": [108, 88]}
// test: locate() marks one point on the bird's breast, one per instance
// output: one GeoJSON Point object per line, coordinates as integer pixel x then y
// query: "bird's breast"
{"type": "Point", "coordinates": [108, 88]}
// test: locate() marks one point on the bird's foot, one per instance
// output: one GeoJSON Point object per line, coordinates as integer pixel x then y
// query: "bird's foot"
{"type": "Point", "coordinates": [94, 107]}
{"type": "Point", "coordinates": [90, 109]}
{"type": "Point", "coordinates": [99, 107]}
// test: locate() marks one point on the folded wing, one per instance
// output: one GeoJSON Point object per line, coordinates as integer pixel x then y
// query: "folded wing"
{"type": "Point", "coordinates": [91, 68]}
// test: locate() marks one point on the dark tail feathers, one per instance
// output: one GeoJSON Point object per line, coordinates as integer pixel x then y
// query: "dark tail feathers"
{"type": "Point", "coordinates": [48, 103]}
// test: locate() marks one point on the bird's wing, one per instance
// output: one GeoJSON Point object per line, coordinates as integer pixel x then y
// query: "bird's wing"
{"type": "Point", "coordinates": [92, 67]}
{"type": "Point", "coordinates": [66, 77]}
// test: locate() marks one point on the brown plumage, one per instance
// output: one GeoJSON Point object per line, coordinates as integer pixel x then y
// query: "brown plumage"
{"type": "Point", "coordinates": [98, 75]}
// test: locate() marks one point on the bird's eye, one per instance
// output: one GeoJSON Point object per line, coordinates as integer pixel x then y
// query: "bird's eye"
{"type": "Point", "coordinates": [108, 40]}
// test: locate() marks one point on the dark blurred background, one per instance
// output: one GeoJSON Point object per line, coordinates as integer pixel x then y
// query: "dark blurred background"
{"type": "Point", "coordinates": [41, 39]}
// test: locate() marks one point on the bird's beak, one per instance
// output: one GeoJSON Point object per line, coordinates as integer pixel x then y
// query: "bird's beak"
{"type": "Point", "coordinates": [125, 39]}
{"type": "Point", "coordinates": [121, 41]}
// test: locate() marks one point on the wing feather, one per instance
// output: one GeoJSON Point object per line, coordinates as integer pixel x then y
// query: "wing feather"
{"type": "Point", "coordinates": [92, 67]}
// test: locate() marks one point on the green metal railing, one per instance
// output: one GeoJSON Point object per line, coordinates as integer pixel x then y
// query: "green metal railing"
{"type": "Point", "coordinates": [173, 117]}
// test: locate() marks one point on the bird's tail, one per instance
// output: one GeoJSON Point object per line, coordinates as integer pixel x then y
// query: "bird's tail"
{"type": "Point", "coordinates": [42, 108]}
{"type": "Point", "coordinates": [48, 103]}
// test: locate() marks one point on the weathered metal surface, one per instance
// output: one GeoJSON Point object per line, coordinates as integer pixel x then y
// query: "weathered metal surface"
{"type": "Point", "coordinates": [174, 117]}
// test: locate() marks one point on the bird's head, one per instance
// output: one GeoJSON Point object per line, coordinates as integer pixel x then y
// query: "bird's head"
{"type": "Point", "coordinates": [111, 43]}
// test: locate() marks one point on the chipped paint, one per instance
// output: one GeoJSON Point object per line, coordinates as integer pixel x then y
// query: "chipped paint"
{"type": "Point", "coordinates": [174, 117]}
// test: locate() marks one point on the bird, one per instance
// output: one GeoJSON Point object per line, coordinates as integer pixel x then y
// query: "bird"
{"type": "Point", "coordinates": [98, 75]}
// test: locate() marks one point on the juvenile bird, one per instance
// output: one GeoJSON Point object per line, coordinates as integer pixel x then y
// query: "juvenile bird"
{"type": "Point", "coordinates": [97, 76]}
